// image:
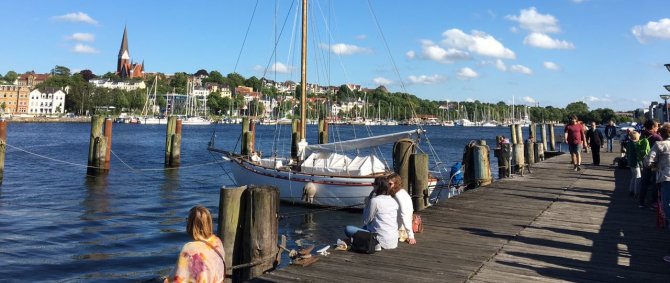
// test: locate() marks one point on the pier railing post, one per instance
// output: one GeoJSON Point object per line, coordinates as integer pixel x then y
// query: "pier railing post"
{"type": "Point", "coordinates": [3, 147]}
{"type": "Point", "coordinates": [418, 176]}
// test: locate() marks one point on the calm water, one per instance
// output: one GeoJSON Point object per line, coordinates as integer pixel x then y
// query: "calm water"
{"type": "Point", "coordinates": [58, 224]}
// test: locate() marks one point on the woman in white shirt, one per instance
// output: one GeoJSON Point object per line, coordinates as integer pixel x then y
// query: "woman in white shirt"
{"type": "Point", "coordinates": [380, 216]}
{"type": "Point", "coordinates": [405, 209]}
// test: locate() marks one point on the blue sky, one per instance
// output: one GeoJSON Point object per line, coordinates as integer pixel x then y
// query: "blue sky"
{"type": "Point", "coordinates": [607, 53]}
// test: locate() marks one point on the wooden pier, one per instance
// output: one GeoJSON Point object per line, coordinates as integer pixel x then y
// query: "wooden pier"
{"type": "Point", "coordinates": [549, 226]}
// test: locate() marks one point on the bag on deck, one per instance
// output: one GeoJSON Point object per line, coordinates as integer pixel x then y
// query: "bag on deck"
{"type": "Point", "coordinates": [417, 223]}
{"type": "Point", "coordinates": [364, 242]}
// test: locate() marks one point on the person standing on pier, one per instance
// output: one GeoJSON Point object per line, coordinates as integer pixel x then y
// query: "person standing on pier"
{"type": "Point", "coordinates": [633, 159]}
{"type": "Point", "coordinates": [201, 260]}
{"type": "Point", "coordinates": [650, 134]}
{"type": "Point", "coordinates": [574, 134]}
{"type": "Point", "coordinates": [594, 137]}
{"type": "Point", "coordinates": [405, 210]}
{"type": "Point", "coordinates": [610, 133]}
{"type": "Point", "coordinates": [659, 158]}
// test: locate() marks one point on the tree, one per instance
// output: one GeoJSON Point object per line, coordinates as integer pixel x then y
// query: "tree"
{"type": "Point", "coordinates": [10, 77]}
{"type": "Point", "coordinates": [87, 74]}
{"type": "Point", "coordinates": [235, 80]}
{"type": "Point", "coordinates": [254, 83]}
{"type": "Point", "coordinates": [579, 108]}
{"type": "Point", "coordinates": [178, 82]}
{"type": "Point", "coordinates": [111, 76]}
{"type": "Point", "coordinates": [201, 72]}
{"type": "Point", "coordinates": [60, 71]}
{"type": "Point", "coordinates": [3, 106]}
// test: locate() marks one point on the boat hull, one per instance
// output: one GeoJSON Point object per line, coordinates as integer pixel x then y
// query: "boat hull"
{"type": "Point", "coordinates": [331, 191]}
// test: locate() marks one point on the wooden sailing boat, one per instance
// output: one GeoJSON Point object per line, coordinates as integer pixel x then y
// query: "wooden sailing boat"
{"type": "Point", "coordinates": [320, 174]}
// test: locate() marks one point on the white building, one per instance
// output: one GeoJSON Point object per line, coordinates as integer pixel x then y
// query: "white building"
{"type": "Point", "coordinates": [126, 85]}
{"type": "Point", "coordinates": [51, 101]}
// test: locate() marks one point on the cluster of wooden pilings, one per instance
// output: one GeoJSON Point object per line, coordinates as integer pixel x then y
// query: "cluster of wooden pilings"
{"type": "Point", "coordinates": [413, 167]}
{"type": "Point", "coordinates": [520, 154]}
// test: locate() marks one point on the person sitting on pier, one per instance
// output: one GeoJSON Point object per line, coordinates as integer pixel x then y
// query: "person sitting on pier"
{"type": "Point", "coordinates": [201, 260]}
{"type": "Point", "coordinates": [405, 210]}
{"type": "Point", "coordinates": [380, 216]}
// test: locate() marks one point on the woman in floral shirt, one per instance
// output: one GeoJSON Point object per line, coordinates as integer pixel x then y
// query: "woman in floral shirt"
{"type": "Point", "coordinates": [201, 260]}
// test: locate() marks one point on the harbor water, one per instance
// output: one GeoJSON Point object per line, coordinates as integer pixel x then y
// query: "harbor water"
{"type": "Point", "coordinates": [58, 224]}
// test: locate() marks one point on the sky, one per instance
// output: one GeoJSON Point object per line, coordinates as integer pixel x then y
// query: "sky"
{"type": "Point", "coordinates": [607, 53]}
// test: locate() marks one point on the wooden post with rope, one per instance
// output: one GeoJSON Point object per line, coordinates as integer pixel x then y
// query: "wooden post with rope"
{"type": "Point", "coordinates": [248, 226]}
{"type": "Point", "coordinates": [3, 147]}
{"type": "Point", "coordinates": [418, 177]}
{"type": "Point", "coordinates": [98, 157]}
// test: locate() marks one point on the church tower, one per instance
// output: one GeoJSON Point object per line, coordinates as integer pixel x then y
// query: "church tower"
{"type": "Point", "coordinates": [124, 67]}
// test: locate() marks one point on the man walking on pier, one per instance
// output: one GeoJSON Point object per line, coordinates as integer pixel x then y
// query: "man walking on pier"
{"type": "Point", "coordinates": [574, 136]}
{"type": "Point", "coordinates": [610, 133]}
{"type": "Point", "coordinates": [595, 138]}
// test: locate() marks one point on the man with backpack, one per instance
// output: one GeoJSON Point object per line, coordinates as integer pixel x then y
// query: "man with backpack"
{"type": "Point", "coordinates": [595, 138]}
{"type": "Point", "coordinates": [648, 139]}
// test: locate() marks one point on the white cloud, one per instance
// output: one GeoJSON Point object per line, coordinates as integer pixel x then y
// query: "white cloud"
{"type": "Point", "coordinates": [382, 81]}
{"type": "Point", "coordinates": [467, 73]}
{"type": "Point", "coordinates": [551, 66]}
{"type": "Point", "coordinates": [345, 49]}
{"type": "Point", "coordinates": [470, 100]}
{"type": "Point", "coordinates": [529, 100]}
{"type": "Point", "coordinates": [595, 99]}
{"type": "Point", "coordinates": [80, 36]}
{"type": "Point", "coordinates": [521, 69]}
{"type": "Point", "coordinates": [500, 65]}
{"type": "Point", "coordinates": [541, 40]}
{"type": "Point", "coordinates": [431, 51]}
{"type": "Point", "coordinates": [477, 42]}
{"type": "Point", "coordinates": [578, 1]}
{"type": "Point", "coordinates": [423, 79]}
{"type": "Point", "coordinates": [410, 54]}
{"type": "Point", "coordinates": [362, 36]}
{"type": "Point", "coordinates": [83, 48]}
{"type": "Point", "coordinates": [77, 17]}
{"type": "Point", "coordinates": [530, 19]}
{"type": "Point", "coordinates": [660, 30]}
{"type": "Point", "coordinates": [276, 67]}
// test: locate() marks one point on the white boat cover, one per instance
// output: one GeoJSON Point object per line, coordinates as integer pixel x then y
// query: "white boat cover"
{"type": "Point", "coordinates": [351, 145]}
{"type": "Point", "coordinates": [334, 163]}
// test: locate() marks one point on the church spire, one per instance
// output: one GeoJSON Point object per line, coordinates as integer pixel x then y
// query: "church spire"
{"type": "Point", "coordinates": [124, 43]}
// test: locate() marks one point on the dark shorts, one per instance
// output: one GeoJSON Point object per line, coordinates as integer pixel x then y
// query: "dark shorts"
{"type": "Point", "coordinates": [575, 148]}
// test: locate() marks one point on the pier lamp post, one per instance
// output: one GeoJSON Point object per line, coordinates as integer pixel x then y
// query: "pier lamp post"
{"type": "Point", "coordinates": [665, 97]}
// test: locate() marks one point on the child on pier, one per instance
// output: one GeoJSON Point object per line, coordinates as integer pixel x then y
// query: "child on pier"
{"type": "Point", "coordinates": [201, 260]}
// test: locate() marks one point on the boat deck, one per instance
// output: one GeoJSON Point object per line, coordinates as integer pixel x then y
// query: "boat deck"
{"type": "Point", "coordinates": [552, 225]}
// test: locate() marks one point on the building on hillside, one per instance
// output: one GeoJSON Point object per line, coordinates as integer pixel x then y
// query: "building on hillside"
{"type": "Point", "coordinates": [14, 99]}
{"type": "Point", "coordinates": [125, 68]}
{"type": "Point", "coordinates": [47, 101]}
{"type": "Point", "coordinates": [31, 79]}
{"type": "Point", "coordinates": [223, 90]}
{"type": "Point", "coordinates": [123, 85]}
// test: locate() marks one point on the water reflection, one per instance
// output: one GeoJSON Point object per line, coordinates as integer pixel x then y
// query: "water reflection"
{"type": "Point", "coordinates": [96, 200]}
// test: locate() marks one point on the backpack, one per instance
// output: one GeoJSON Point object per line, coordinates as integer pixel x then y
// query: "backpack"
{"type": "Point", "coordinates": [364, 242]}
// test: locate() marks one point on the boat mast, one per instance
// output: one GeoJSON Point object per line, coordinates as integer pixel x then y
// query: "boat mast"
{"type": "Point", "coordinates": [303, 75]}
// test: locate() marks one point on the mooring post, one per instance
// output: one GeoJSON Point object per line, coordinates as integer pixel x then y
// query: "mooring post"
{"type": "Point", "coordinates": [544, 136]}
{"type": "Point", "coordinates": [418, 176]}
{"type": "Point", "coordinates": [532, 131]}
{"type": "Point", "coordinates": [231, 218]}
{"type": "Point", "coordinates": [519, 134]}
{"type": "Point", "coordinates": [260, 231]}
{"type": "Point", "coordinates": [175, 145]}
{"type": "Point", "coordinates": [252, 132]}
{"type": "Point", "coordinates": [512, 136]}
{"type": "Point", "coordinates": [169, 134]}
{"type": "Point", "coordinates": [402, 150]}
{"type": "Point", "coordinates": [482, 165]}
{"type": "Point", "coordinates": [323, 131]}
{"type": "Point", "coordinates": [97, 147]}
{"type": "Point", "coordinates": [108, 139]}
{"type": "Point", "coordinates": [552, 138]}
{"type": "Point", "coordinates": [3, 147]}
{"type": "Point", "coordinates": [518, 157]}
{"type": "Point", "coordinates": [245, 137]}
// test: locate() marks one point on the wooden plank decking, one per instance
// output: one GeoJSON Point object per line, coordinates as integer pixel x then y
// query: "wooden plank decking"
{"type": "Point", "coordinates": [553, 225]}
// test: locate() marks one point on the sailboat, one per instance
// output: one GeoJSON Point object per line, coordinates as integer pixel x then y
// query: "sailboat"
{"type": "Point", "coordinates": [320, 174]}
{"type": "Point", "coordinates": [148, 112]}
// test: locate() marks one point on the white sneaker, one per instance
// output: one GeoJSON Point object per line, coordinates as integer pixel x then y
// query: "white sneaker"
{"type": "Point", "coordinates": [378, 247]}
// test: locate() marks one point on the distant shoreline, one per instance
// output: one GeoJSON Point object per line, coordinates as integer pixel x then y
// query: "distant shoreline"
{"type": "Point", "coordinates": [16, 119]}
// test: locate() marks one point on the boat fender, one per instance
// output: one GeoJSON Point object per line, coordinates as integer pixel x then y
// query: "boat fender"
{"type": "Point", "coordinates": [308, 192]}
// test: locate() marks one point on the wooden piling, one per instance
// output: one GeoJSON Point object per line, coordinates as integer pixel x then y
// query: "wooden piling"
{"type": "Point", "coordinates": [97, 147]}
{"type": "Point", "coordinates": [552, 138]}
{"type": "Point", "coordinates": [169, 131]}
{"type": "Point", "coordinates": [544, 136]}
{"type": "Point", "coordinates": [512, 136]}
{"type": "Point", "coordinates": [482, 165]}
{"type": "Point", "coordinates": [519, 134]}
{"type": "Point", "coordinates": [402, 150]}
{"type": "Point", "coordinates": [295, 138]}
{"type": "Point", "coordinates": [529, 152]}
{"type": "Point", "coordinates": [260, 231]}
{"type": "Point", "coordinates": [252, 140]}
{"type": "Point", "coordinates": [504, 160]}
{"type": "Point", "coordinates": [231, 221]}
{"type": "Point", "coordinates": [175, 145]}
{"type": "Point", "coordinates": [418, 177]}
{"type": "Point", "coordinates": [246, 138]}
{"type": "Point", "coordinates": [323, 131]}
{"type": "Point", "coordinates": [532, 131]}
{"type": "Point", "coordinates": [108, 144]}
{"type": "Point", "coordinates": [3, 147]}
{"type": "Point", "coordinates": [518, 157]}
